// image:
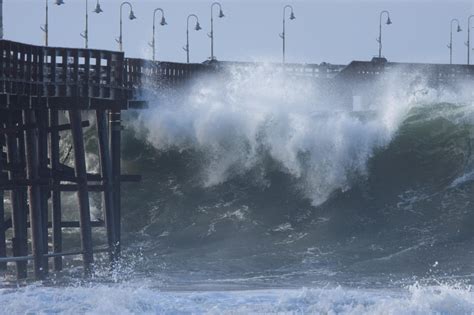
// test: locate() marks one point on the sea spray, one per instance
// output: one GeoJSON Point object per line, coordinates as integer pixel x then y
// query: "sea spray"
{"type": "Point", "coordinates": [236, 123]}
{"type": "Point", "coordinates": [143, 298]}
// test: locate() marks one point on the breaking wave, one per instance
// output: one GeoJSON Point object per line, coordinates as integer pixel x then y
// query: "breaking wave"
{"type": "Point", "coordinates": [261, 172]}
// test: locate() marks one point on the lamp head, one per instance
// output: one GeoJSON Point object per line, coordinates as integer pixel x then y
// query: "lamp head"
{"type": "Point", "coordinates": [292, 16]}
{"type": "Point", "coordinates": [98, 9]}
{"type": "Point", "coordinates": [221, 14]}
{"type": "Point", "coordinates": [389, 21]}
{"type": "Point", "coordinates": [132, 15]}
{"type": "Point", "coordinates": [59, 2]}
{"type": "Point", "coordinates": [198, 26]}
{"type": "Point", "coordinates": [459, 29]}
{"type": "Point", "coordinates": [163, 21]}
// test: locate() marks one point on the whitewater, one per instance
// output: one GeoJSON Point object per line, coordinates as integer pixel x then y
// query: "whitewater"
{"type": "Point", "coordinates": [260, 194]}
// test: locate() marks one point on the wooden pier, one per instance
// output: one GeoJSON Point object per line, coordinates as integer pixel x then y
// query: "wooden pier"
{"type": "Point", "coordinates": [46, 92]}
{"type": "Point", "coordinates": [38, 86]}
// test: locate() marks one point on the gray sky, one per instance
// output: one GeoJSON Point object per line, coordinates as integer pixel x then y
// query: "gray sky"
{"type": "Point", "coordinates": [333, 31]}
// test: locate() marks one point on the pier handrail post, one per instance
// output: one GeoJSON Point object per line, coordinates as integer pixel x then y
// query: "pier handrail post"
{"type": "Point", "coordinates": [162, 23]}
{"type": "Point", "coordinates": [197, 28]}
{"type": "Point", "coordinates": [211, 35]}
{"type": "Point", "coordinates": [283, 35]}
{"type": "Point", "coordinates": [389, 21]}
{"type": "Point", "coordinates": [450, 46]}
{"type": "Point", "coordinates": [131, 17]}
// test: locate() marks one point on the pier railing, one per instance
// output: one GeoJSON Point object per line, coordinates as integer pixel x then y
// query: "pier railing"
{"type": "Point", "coordinates": [61, 72]}
{"type": "Point", "coordinates": [359, 71]}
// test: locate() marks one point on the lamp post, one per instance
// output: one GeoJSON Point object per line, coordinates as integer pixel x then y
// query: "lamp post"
{"type": "Point", "coordinates": [211, 35]}
{"type": "Point", "coordinates": [131, 16]}
{"type": "Point", "coordinates": [162, 23]}
{"type": "Point", "coordinates": [97, 10]}
{"type": "Point", "coordinates": [45, 28]}
{"type": "Point", "coordinates": [1, 19]}
{"type": "Point", "coordinates": [468, 43]}
{"type": "Point", "coordinates": [283, 35]}
{"type": "Point", "coordinates": [388, 22]}
{"type": "Point", "coordinates": [450, 46]}
{"type": "Point", "coordinates": [197, 28]}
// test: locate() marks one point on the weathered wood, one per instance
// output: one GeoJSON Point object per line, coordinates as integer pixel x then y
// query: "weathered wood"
{"type": "Point", "coordinates": [35, 83]}
{"type": "Point", "coordinates": [115, 132]}
{"type": "Point", "coordinates": [83, 194]}
{"type": "Point", "coordinates": [3, 244]}
{"type": "Point", "coordinates": [56, 192]}
{"type": "Point", "coordinates": [64, 224]}
{"type": "Point", "coordinates": [17, 197]}
{"type": "Point", "coordinates": [42, 121]}
{"type": "Point", "coordinates": [106, 171]}
{"type": "Point", "coordinates": [36, 219]}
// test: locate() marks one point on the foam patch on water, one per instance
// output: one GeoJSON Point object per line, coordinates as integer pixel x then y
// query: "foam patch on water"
{"type": "Point", "coordinates": [129, 299]}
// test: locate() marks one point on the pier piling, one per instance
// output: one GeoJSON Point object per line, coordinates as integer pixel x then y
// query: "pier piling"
{"type": "Point", "coordinates": [75, 118]}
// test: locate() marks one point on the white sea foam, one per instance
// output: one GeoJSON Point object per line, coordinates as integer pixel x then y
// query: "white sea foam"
{"type": "Point", "coordinates": [238, 121]}
{"type": "Point", "coordinates": [137, 299]}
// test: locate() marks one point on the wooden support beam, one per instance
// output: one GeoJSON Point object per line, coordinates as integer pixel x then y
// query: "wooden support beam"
{"type": "Point", "coordinates": [106, 171]}
{"type": "Point", "coordinates": [3, 244]}
{"type": "Point", "coordinates": [16, 259]}
{"type": "Point", "coordinates": [85, 103]}
{"type": "Point", "coordinates": [44, 183]}
{"type": "Point", "coordinates": [11, 166]}
{"type": "Point", "coordinates": [64, 224]}
{"type": "Point", "coordinates": [66, 173]}
{"type": "Point", "coordinates": [76, 224]}
{"type": "Point", "coordinates": [115, 132]}
{"type": "Point", "coordinates": [78, 187]}
{"type": "Point", "coordinates": [42, 121]}
{"type": "Point", "coordinates": [50, 255]}
{"type": "Point", "coordinates": [83, 194]}
{"type": "Point", "coordinates": [17, 196]}
{"type": "Point", "coordinates": [16, 129]}
{"type": "Point", "coordinates": [56, 192]}
{"type": "Point", "coordinates": [34, 192]}
{"type": "Point", "coordinates": [63, 127]}
{"type": "Point", "coordinates": [22, 183]}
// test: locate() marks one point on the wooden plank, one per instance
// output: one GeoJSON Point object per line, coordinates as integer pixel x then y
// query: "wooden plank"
{"type": "Point", "coordinates": [106, 172]}
{"type": "Point", "coordinates": [3, 244]}
{"type": "Point", "coordinates": [65, 224]}
{"type": "Point", "coordinates": [17, 197]}
{"type": "Point", "coordinates": [56, 192]}
{"type": "Point", "coordinates": [83, 192]}
{"type": "Point", "coordinates": [42, 120]}
{"type": "Point", "coordinates": [36, 219]}
{"type": "Point", "coordinates": [115, 131]}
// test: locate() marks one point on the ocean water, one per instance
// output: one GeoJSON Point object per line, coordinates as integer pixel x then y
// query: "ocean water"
{"type": "Point", "coordinates": [262, 194]}
{"type": "Point", "coordinates": [140, 299]}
